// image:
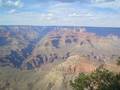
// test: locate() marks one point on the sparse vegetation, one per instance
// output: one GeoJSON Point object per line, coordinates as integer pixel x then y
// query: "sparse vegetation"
{"type": "Point", "coordinates": [101, 79]}
{"type": "Point", "coordinates": [118, 61]}
{"type": "Point", "coordinates": [4, 85]}
{"type": "Point", "coordinates": [30, 86]}
{"type": "Point", "coordinates": [47, 58]}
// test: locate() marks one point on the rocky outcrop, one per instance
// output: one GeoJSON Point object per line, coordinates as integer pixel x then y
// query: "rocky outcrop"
{"type": "Point", "coordinates": [61, 43]}
{"type": "Point", "coordinates": [58, 78]}
{"type": "Point", "coordinates": [33, 46]}
{"type": "Point", "coordinates": [49, 57]}
{"type": "Point", "coordinates": [17, 43]}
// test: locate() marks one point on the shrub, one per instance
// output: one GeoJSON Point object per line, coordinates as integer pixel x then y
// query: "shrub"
{"type": "Point", "coordinates": [101, 79]}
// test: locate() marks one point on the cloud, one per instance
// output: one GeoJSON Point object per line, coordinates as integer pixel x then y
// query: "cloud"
{"type": "Point", "coordinates": [11, 5]}
{"type": "Point", "coordinates": [67, 9]}
{"type": "Point", "coordinates": [51, 19]}
{"type": "Point", "coordinates": [82, 1]}
{"type": "Point", "coordinates": [86, 1]}
{"type": "Point", "coordinates": [12, 11]}
{"type": "Point", "coordinates": [63, 12]}
{"type": "Point", "coordinates": [114, 5]}
{"type": "Point", "coordinates": [102, 1]}
{"type": "Point", "coordinates": [81, 14]}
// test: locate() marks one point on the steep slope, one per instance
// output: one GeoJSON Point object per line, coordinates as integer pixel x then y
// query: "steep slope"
{"type": "Point", "coordinates": [56, 77]}
{"type": "Point", "coordinates": [17, 43]}
{"type": "Point", "coordinates": [46, 58]}
{"type": "Point", "coordinates": [64, 42]}
{"type": "Point", "coordinates": [59, 76]}
{"type": "Point", "coordinates": [30, 47]}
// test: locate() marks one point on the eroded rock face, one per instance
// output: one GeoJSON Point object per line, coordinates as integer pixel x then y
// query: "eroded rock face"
{"type": "Point", "coordinates": [62, 73]}
{"type": "Point", "coordinates": [54, 76]}
{"type": "Point", "coordinates": [77, 64]}
{"type": "Point", "coordinates": [17, 43]}
{"type": "Point", "coordinates": [37, 46]}
{"type": "Point", "coordinates": [61, 43]}
{"type": "Point", "coordinates": [52, 56]}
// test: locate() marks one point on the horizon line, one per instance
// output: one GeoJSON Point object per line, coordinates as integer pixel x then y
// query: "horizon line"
{"type": "Point", "coordinates": [63, 26]}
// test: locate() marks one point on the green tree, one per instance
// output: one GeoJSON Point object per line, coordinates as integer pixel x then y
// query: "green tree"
{"type": "Point", "coordinates": [80, 82]}
{"type": "Point", "coordinates": [101, 79]}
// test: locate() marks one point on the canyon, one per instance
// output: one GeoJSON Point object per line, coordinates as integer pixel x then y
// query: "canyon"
{"type": "Point", "coordinates": [48, 57]}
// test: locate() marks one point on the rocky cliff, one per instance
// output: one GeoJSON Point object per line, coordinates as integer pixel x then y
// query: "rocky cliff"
{"type": "Point", "coordinates": [46, 58]}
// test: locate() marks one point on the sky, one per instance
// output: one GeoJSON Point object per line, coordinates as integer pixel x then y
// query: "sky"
{"type": "Point", "coordinates": [101, 13]}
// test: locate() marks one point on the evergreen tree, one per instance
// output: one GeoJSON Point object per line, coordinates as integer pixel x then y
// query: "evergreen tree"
{"type": "Point", "coordinates": [101, 79]}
